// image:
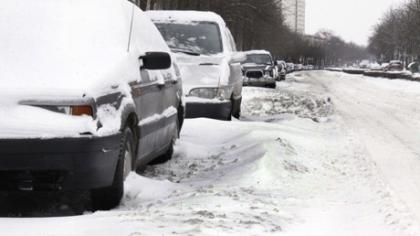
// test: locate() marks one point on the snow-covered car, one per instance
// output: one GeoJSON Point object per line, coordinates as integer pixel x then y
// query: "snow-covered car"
{"type": "Point", "coordinates": [290, 67]}
{"type": "Point", "coordinates": [259, 69]}
{"type": "Point", "coordinates": [208, 60]}
{"type": "Point", "coordinates": [89, 93]}
{"type": "Point", "coordinates": [298, 67]}
{"type": "Point", "coordinates": [364, 64]}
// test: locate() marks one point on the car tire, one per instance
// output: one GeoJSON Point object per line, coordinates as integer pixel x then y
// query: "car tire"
{"type": "Point", "coordinates": [181, 118]}
{"type": "Point", "coordinates": [236, 109]}
{"type": "Point", "coordinates": [110, 197]}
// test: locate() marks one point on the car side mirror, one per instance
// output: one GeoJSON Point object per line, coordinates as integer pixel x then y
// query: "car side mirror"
{"type": "Point", "coordinates": [237, 57]}
{"type": "Point", "coordinates": [156, 61]}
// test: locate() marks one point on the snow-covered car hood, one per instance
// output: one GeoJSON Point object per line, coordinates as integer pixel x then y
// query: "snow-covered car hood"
{"type": "Point", "coordinates": [201, 71]}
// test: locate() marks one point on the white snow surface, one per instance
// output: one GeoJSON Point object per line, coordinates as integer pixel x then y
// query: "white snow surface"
{"type": "Point", "coordinates": [257, 52]}
{"type": "Point", "coordinates": [324, 154]}
{"type": "Point", "coordinates": [185, 17]}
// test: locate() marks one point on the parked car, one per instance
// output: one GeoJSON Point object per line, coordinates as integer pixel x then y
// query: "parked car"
{"type": "Point", "coordinates": [259, 69]}
{"type": "Point", "coordinates": [208, 61]}
{"type": "Point", "coordinates": [282, 70]}
{"type": "Point", "coordinates": [414, 67]}
{"type": "Point", "coordinates": [395, 66]}
{"type": "Point", "coordinates": [290, 67]}
{"type": "Point", "coordinates": [364, 64]}
{"type": "Point", "coordinates": [298, 67]}
{"type": "Point", "coordinates": [83, 103]}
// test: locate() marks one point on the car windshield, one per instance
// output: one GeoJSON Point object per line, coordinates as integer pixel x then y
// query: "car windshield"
{"type": "Point", "coordinates": [197, 38]}
{"type": "Point", "coordinates": [259, 59]}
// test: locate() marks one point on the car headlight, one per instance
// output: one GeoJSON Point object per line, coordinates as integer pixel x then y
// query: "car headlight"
{"type": "Point", "coordinates": [210, 93]}
{"type": "Point", "coordinates": [269, 71]}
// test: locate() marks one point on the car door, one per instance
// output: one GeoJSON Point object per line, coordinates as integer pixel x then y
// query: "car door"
{"type": "Point", "coordinates": [171, 98]}
{"type": "Point", "coordinates": [147, 94]}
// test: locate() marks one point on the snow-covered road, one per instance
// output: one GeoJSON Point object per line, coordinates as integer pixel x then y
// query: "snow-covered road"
{"type": "Point", "coordinates": [323, 154]}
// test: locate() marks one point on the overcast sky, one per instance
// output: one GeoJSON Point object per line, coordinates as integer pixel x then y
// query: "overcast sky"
{"type": "Point", "coordinates": [351, 19]}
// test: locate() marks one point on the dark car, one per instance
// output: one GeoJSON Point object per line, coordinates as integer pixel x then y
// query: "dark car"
{"type": "Point", "coordinates": [395, 66]}
{"type": "Point", "coordinates": [259, 69]}
{"type": "Point", "coordinates": [85, 110]}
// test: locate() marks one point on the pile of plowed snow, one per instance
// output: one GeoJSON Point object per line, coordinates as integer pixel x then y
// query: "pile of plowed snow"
{"type": "Point", "coordinates": [266, 104]}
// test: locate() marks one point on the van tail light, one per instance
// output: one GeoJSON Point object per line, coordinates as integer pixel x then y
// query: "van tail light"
{"type": "Point", "coordinates": [81, 110]}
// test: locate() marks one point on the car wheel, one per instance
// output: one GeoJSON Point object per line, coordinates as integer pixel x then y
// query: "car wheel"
{"type": "Point", "coordinates": [110, 197]}
{"type": "Point", "coordinates": [181, 118]}
{"type": "Point", "coordinates": [236, 109]}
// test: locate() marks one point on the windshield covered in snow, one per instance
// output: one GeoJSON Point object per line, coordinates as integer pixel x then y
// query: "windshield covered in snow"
{"type": "Point", "coordinates": [197, 38]}
{"type": "Point", "coordinates": [259, 59]}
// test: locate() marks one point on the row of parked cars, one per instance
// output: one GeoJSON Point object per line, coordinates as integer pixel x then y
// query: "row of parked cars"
{"type": "Point", "coordinates": [88, 98]}
{"type": "Point", "coordinates": [394, 69]}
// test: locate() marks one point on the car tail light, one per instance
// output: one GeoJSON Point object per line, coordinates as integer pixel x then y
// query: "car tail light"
{"type": "Point", "coordinates": [81, 110]}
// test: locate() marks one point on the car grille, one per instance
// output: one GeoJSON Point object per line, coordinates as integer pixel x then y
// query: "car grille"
{"type": "Point", "coordinates": [31, 180]}
{"type": "Point", "coordinates": [254, 74]}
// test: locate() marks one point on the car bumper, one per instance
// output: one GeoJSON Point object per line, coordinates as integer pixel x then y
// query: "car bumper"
{"type": "Point", "coordinates": [263, 82]}
{"type": "Point", "coordinates": [218, 111]}
{"type": "Point", "coordinates": [58, 164]}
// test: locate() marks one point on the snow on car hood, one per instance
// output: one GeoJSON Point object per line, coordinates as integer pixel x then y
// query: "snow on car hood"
{"type": "Point", "coordinates": [203, 71]}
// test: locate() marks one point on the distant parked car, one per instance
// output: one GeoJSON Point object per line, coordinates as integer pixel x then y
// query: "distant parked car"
{"type": "Point", "coordinates": [414, 67]}
{"type": "Point", "coordinates": [208, 61]}
{"type": "Point", "coordinates": [299, 67]}
{"type": "Point", "coordinates": [84, 111]}
{"type": "Point", "coordinates": [259, 69]}
{"type": "Point", "coordinates": [395, 66]}
{"type": "Point", "coordinates": [290, 67]}
{"type": "Point", "coordinates": [282, 70]}
{"type": "Point", "coordinates": [364, 64]}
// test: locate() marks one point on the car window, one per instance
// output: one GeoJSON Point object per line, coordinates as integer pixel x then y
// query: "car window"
{"type": "Point", "coordinates": [195, 37]}
{"type": "Point", "coordinates": [259, 59]}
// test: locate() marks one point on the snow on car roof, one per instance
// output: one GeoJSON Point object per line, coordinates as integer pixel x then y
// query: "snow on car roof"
{"type": "Point", "coordinates": [72, 45]}
{"type": "Point", "coordinates": [51, 42]}
{"type": "Point", "coordinates": [185, 16]}
{"type": "Point", "coordinates": [257, 52]}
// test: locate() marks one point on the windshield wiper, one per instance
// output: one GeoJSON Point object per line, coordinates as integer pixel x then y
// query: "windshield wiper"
{"type": "Point", "coordinates": [185, 51]}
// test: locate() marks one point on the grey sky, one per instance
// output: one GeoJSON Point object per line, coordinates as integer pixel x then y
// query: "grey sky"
{"type": "Point", "coordinates": [351, 19]}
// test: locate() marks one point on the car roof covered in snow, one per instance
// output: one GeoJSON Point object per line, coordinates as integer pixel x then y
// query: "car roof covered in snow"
{"type": "Point", "coordinates": [257, 52]}
{"type": "Point", "coordinates": [185, 16]}
{"type": "Point", "coordinates": [72, 44]}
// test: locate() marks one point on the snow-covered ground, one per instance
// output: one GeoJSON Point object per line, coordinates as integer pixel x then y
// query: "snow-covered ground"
{"type": "Point", "coordinates": [324, 154]}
